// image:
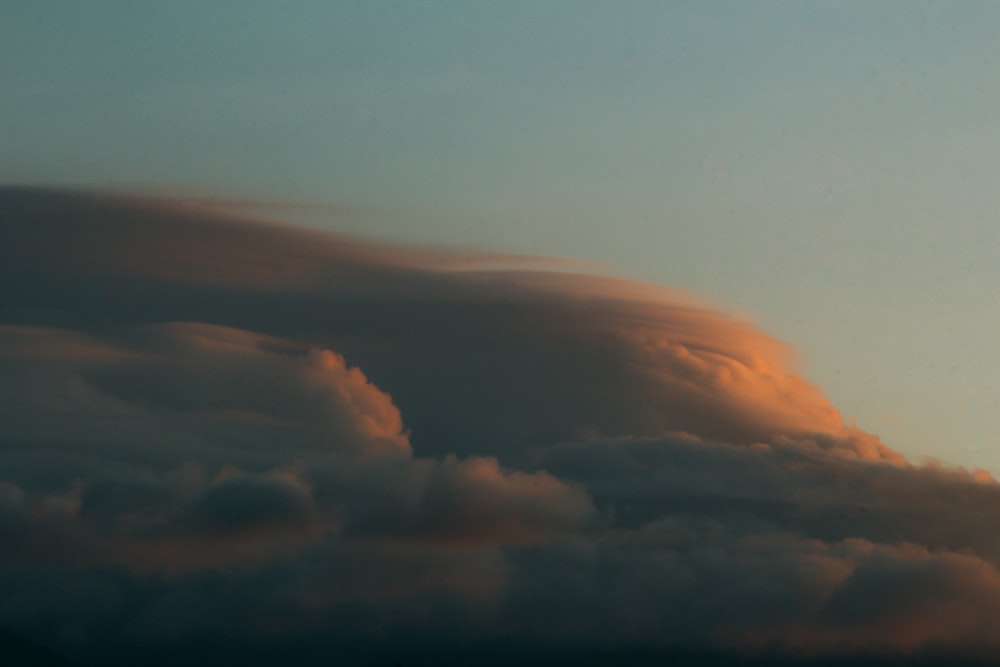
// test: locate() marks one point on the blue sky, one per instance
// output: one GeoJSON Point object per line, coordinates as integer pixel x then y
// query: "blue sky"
{"type": "Point", "coordinates": [827, 169]}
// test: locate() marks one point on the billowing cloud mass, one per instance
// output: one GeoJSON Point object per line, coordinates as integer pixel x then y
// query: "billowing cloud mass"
{"type": "Point", "coordinates": [227, 437]}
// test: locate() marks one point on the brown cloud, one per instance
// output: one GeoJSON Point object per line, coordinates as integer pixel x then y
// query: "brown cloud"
{"type": "Point", "coordinates": [182, 446]}
{"type": "Point", "coordinates": [517, 356]}
{"type": "Point", "coordinates": [234, 430]}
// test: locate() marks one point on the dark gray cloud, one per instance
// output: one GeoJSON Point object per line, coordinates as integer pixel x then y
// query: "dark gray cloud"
{"type": "Point", "coordinates": [227, 435]}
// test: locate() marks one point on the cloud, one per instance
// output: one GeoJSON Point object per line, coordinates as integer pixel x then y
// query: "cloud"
{"type": "Point", "coordinates": [783, 545]}
{"type": "Point", "coordinates": [518, 356]}
{"type": "Point", "coordinates": [473, 502]}
{"type": "Point", "coordinates": [218, 432]}
{"type": "Point", "coordinates": [183, 446]}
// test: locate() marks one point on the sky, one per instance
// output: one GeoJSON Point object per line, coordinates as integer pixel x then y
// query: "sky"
{"type": "Point", "coordinates": [567, 284]}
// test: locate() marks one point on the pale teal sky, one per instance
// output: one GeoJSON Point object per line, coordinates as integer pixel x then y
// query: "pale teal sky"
{"type": "Point", "coordinates": [829, 169]}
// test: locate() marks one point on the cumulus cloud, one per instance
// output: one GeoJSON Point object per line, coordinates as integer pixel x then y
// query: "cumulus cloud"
{"type": "Point", "coordinates": [219, 432]}
{"type": "Point", "coordinates": [179, 446]}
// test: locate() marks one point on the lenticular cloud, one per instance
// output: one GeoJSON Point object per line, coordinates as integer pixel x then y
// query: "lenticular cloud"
{"type": "Point", "coordinates": [220, 434]}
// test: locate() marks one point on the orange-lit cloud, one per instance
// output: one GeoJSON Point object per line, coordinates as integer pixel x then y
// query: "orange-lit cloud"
{"type": "Point", "coordinates": [238, 429]}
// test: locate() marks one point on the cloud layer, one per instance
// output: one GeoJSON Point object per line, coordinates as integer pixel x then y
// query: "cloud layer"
{"type": "Point", "coordinates": [219, 432]}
